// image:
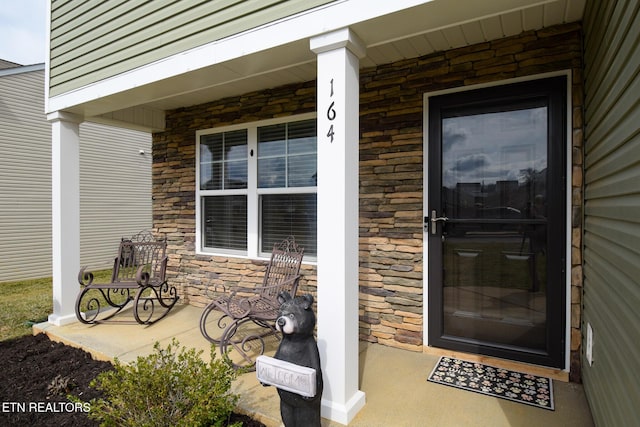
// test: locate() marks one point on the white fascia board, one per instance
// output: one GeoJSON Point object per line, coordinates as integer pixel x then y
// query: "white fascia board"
{"type": "Point", "coordinates": [304, 25]}
{"type": "Point", "coordinates": [21, 69]}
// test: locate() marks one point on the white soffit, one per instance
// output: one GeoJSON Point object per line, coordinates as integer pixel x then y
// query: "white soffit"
{"type": "Point", "coordinates": [279, 53]}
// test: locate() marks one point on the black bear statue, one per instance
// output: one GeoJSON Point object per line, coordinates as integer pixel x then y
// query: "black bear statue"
{"type": "Point", "coordinates": [296, 321]}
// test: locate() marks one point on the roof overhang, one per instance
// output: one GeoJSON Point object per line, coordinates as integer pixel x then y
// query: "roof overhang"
{"type": "Point", "coordinates": [278, 53]}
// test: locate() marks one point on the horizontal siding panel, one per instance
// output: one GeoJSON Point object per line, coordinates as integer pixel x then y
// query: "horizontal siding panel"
{"type": "Point", "coordinates": [65, 11]}
{"type": "Point", "coordinates": [616, 125]}
{"type": "Point", "coordinates": [625, 208]}
{"type": "Point", "coordinates": [610, 87]}
{"type": "Point", "coordinates": [603, 183]}
{"type": "Point", "coordinates": [610, 176]}
{"type": "Point", "coordinates": [624, 287]}
{"type": "Point", "coordinates": [613, 49]}
{"type": "Point", "coordinates": [609, 242]}
{"type": "Point", "coordinates": [125, 21]}
{"type": "Point", "coordinates": [612, 209]}
{"type": "Point", "coordinates": [115, 197]}
{"type": "Point", "coordinates": [71, 20]}
{"type": "Point", "coordinates": [124, 186]}
{"type": "Point", "coordinates": [159, 35]}
{"type": "Point", "coordinates": [110, 31]}
{"type": "Point", "coordinates": [612, 348]}
{"type": "Point", "coordinates": [25, 178]}
{"type": "Point", "coordinates": [97, 43]}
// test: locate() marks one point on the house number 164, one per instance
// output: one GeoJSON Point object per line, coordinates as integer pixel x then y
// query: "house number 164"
{"type": "Point", "coordinates": [331, 114]}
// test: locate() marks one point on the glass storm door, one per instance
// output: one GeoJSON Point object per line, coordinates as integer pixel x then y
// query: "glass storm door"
{"type": "Point", "coordinates": [496, 221]}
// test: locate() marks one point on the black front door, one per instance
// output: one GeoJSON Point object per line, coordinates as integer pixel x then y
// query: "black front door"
{"type": "Point", "coordinates": [496, 221]}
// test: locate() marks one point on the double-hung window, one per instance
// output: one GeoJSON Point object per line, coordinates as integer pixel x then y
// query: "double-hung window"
{"type": "Point", "coordinates": [256, 184]}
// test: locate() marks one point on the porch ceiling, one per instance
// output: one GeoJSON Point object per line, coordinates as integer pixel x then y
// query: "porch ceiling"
{"type": "Point", "coordinates": [434, 26]}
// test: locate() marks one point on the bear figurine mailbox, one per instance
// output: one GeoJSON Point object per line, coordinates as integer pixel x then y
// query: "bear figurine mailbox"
{"type": "Point", "coordinates": [295, 368]}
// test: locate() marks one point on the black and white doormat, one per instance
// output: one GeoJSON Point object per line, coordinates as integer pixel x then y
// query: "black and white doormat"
{"type": "Point", "coordinates": [497, 382]}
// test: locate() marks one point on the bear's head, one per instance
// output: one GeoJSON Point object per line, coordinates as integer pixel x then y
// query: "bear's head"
{"type": "Point", "coordinates": [296, 315]}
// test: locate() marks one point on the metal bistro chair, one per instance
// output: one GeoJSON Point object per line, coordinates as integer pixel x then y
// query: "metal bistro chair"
{"type": "Point", "coordinates": [258, 305]}
{"type": "Point", "coordinates": [138, 276]}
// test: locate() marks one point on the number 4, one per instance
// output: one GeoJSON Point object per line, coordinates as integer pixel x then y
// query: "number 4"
{"type": "Point", "coordinates": [330, 133]}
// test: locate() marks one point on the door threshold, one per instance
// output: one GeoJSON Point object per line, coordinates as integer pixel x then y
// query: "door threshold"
{"type": "Point", "coordinates": [527, 368]}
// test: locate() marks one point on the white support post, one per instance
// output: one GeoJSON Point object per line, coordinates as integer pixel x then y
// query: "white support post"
{"type": "Point", "coordinates": [338, 136]}
{"type": "Point", "coordinates": [65, 214]}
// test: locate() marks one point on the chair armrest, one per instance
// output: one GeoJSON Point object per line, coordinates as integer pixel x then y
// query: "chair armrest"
{"type": "Point", "coordinates": [85, 275]}
{"type": "Point", "coordinates": [142, 277]}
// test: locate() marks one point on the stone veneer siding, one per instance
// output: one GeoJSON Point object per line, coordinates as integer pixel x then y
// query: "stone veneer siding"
{"type": "Point", "coordinates": [391, 175]}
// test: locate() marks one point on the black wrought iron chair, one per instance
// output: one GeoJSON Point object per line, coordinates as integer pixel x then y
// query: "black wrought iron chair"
{"type": "Point", "coordinates": [138, 276]}
{"type": "Point", "coordinates": [242, 304]}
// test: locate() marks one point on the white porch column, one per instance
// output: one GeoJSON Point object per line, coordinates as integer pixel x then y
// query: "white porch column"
{"type": "Point", "coordinates": [338, 135]}
{"type": "Point", "coordinates": [65, 214]}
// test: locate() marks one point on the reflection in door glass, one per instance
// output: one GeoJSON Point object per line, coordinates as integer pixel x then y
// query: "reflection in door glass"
{"type": "Point", "coordinates": [494, 177]}
{"type": "Point", "coordinates": [503, 154]}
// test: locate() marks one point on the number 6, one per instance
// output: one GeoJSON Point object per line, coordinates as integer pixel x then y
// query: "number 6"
{"type": "Point", "coordinates": [331, 112]}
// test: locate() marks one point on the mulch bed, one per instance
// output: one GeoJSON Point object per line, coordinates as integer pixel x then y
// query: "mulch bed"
{"type": "Point", "coordinates": [30, 365]}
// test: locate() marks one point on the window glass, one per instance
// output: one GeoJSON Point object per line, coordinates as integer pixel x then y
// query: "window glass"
{"type": "Point", "coordinates": [272, 140]}
{"type": "Point", "coordinates": [302, 171]}
{"type": "Point", "coordinates": [287, 155]}
{"type": "Point", "coordinates": [273, 196]}
{"type": "Point", "coordinates": [223, 161]}
{"type": "Point", "coordinates": [271, 173]}
{"type": "Point", "coordinates": [289, 215]}
{"type": "Point", "coordinates": [225, 222]}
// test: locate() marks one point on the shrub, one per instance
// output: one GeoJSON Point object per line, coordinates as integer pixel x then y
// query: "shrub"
{"type": "Point", "coordinates": [166, 388]}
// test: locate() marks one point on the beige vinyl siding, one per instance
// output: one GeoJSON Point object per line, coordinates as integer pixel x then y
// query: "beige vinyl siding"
{"type": "Point", "coordinates": [91, 41]}
{"type": "Point", "coordinates": [115, 189]}
{"type": "Point", "coordinates": [7, 64]}
{"type": "Point", "coordinates": [25, 178]}
{"type": "Point", "coordinates": [115, 183]}
{"type": "Point", "coordinates": [612, 210]}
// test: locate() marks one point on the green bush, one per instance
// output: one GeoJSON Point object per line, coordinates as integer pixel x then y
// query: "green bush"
{"type": "Point", "coordinates": [166, 388]}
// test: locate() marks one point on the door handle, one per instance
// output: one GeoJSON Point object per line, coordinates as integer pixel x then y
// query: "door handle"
{"type": "Point", "coordinates": [435, 219]}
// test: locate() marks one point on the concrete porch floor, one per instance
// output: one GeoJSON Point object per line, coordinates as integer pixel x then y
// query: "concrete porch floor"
{"type": "Point", "coordinates": [394, 381]}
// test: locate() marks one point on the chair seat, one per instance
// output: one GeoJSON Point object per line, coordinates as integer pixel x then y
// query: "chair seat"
{"type": "Point", "coordinates": [240, 307]}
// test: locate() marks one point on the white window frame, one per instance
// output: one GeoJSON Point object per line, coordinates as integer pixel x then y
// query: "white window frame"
{"type": "Point", "coordinates": [252, 191]}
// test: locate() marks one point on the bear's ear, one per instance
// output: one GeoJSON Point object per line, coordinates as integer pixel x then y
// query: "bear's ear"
{"type": "Point", "coordinates": [308, 301]}
{"type": "Point", "coordinates": [284, 297]}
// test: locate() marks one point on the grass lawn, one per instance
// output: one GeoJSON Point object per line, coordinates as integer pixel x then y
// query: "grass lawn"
{"type": "Point", "coordinates": [26, 302]}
